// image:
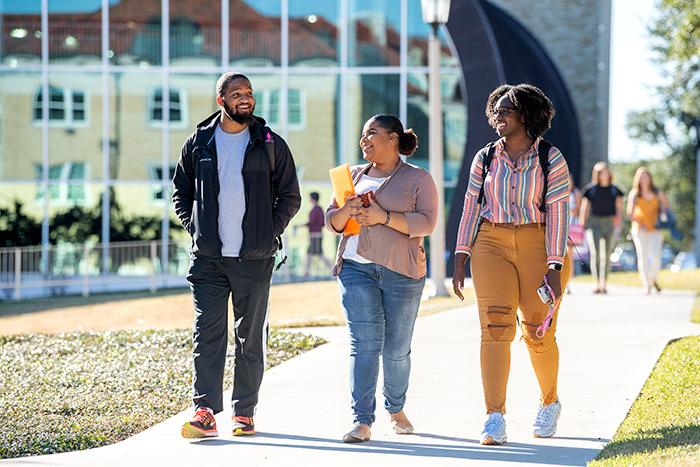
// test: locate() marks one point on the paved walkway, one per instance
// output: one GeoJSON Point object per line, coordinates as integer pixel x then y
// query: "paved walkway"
{"type": "Point", "coordinates": [608, 347]}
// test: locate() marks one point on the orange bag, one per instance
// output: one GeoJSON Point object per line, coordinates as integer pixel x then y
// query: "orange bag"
{"type": "Point", "coordinates": [341, 180]}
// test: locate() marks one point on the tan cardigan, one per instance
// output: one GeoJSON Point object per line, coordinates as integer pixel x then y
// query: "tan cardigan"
{"type": "Point", "coordinates": [410, 190]}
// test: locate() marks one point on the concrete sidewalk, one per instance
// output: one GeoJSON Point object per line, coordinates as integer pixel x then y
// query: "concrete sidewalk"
{"type": "Point", "coordinates": [608, 344]}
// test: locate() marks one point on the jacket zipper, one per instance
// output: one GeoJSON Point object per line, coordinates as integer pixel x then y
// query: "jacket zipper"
{"type": "Point", "coordinates": [241, 254]}
{"type": "Point", "coordinates": [217, 189]}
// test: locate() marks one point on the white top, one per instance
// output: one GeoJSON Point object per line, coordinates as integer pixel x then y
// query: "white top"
{"type": "Point", "coordinates": [230, 153]}
{"type": "Point", "coordinates": [365, 184]}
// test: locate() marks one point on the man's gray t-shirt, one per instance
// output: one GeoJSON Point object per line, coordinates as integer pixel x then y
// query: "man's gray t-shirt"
{"type": "Point", "coordinates": [230, 152]}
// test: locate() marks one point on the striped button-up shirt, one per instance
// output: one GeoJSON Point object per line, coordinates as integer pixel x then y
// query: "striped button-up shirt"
{"type": "Point", "coordinates": [513, 193]}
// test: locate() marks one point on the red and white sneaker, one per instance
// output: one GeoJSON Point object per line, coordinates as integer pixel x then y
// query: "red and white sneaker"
{"type": "Point", "coordinates": [243, 426]}
{"type": "Point", "coordinates": [202, 425]}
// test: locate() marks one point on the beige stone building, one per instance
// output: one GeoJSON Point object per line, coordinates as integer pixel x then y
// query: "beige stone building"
{"type": "Point", "coordinates": [576, 35]}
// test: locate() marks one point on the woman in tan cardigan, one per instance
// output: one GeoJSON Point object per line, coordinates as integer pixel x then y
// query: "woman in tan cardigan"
{"type": "Point", "coordinates": [381, 271]}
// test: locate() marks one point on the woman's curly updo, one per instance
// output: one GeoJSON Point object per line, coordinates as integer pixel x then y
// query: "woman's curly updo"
{"type": "Point", "coordinates": [408, 140]}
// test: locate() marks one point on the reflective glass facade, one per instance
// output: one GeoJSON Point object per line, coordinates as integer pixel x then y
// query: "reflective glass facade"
{"type": "Point", "coordinates": [97, 96]}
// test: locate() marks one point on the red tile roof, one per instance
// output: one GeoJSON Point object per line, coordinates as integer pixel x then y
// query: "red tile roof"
{"type": "Point", "coordinates": [135, 30]}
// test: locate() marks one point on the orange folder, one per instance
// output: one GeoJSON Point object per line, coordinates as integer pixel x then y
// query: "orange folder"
{"type": "Point", "coordinates": [341, 180]}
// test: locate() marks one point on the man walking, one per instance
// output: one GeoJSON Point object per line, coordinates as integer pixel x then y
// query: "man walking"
{"type": "Point", "coordinates": [235, 191]}
{"type": "Point", "coordinates": [315, 226]}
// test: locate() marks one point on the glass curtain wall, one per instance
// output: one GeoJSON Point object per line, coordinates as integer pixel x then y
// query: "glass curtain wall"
{"type": "Point", "coordinates": [93, 113]}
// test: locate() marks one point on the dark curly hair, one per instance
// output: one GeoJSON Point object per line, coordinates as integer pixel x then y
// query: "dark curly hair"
{"type": "Point", "coordinates": [530, 102]}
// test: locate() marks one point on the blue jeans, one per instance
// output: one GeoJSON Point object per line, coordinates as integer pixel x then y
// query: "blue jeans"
{"type": "Point", "coordinates": [381, 308]}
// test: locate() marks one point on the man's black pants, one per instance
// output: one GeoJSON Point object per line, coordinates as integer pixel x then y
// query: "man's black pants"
{"type": "Point", "coordinates": [211, 282]}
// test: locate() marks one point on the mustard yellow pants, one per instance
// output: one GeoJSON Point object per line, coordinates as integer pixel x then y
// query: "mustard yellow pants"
{"type": "Point", "coordinates": [508, 263]}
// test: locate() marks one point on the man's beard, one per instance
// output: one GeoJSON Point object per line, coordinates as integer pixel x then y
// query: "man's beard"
{"type": "Point", "coordinates": [236, 117]}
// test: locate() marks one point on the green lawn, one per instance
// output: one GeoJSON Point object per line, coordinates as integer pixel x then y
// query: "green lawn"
{"type": "Point", "coordinates": [663, 425]}
{"type": "Point", "coordinates": [82, 390]}
{"type": "Point", "coordinates": [683, 280]}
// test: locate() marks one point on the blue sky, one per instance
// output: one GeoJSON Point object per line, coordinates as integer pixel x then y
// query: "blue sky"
{"type": "Point", "coordinates": [632, 72]}
{"type": "Point", "coordinates": [633, 75]}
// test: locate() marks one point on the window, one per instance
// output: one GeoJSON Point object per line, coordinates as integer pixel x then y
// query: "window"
{"type": "Point", "coordinates": [176, 106]}
{"type": "Point", "coordinates": [267, 104]}
{"type": "Point", "coordinates": [295, 108]}
{"type": "Point", "coordinates": [66, 107]}
{"type": "Point", "coordinates": [155, 173]}
{"type": "Point", "coordinates": [66, 183]}
{"type": "Point", "coordinates": [186, 37]}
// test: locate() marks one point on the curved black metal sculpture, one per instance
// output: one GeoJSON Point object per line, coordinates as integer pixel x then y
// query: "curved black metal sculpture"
{"type": "Point", "coordinates": [494, 48]}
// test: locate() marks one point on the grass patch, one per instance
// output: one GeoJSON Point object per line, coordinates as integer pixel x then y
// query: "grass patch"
{"type": "Point", "coordinates": [663, 425]}
{"type": "Point", "coordinates": [682, 280]}
{"type": "Point", "coordinates": [291, 305]}
{"type": "Point", "coordinates": [83, 390]}
{"type": "Point", "coordinates": [32, 305]}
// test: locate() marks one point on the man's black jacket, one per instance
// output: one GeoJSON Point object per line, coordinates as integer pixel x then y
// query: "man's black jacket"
{"type": "Point", "coordinates": [196, 191]}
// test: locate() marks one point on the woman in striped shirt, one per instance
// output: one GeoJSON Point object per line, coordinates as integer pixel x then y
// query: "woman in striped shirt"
{"type": "Point", "coordinates": [516, 238]}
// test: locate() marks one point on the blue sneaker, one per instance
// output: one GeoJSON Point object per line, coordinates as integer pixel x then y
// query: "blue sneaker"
{"type": "Point", "coordinates": [494, 430]}
{"type": "Point", "coordinates": [546, 422]}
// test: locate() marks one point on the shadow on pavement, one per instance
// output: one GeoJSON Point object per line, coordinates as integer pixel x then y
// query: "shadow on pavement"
{"type": "Point", "coordinates": [466, 449]}
{"type": "Point", "coordinates": [581, 438]}
{"type": "Point", "coordinates": [461, 440]}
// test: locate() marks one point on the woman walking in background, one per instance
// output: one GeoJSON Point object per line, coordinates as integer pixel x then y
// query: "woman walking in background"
{"type": "Point", "coordinates": [381, 271]}
{"type": "Point", "coordinates": [601, 214]}
{"type": "Point", "coordinates": [644, 205]}
{"type": "Point", "coordinates": [575, 229]}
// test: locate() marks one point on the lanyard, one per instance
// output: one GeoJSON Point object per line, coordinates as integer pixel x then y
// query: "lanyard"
{"type": "Point", "coordinates": [542, 328]}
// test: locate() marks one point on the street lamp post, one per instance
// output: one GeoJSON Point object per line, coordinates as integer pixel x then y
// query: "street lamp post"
{"type": "Point", "coordinates": [435, 13]}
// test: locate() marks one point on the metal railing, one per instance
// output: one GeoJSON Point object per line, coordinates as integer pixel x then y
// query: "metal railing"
{"type": "Point", "coordinates": [68, 269]}
{"type": "Point", "coordinates": [63, 269]}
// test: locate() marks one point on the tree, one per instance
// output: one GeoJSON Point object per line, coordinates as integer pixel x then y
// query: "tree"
{"type": "Point", "coordinates": [16, 228]}
{"type": "Point", "coordinates": [674, 125]}
{"type": "Point", "coordinates": [79, 225]}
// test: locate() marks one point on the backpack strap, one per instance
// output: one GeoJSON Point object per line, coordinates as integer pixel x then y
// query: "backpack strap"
{"type": "Point", "coordinates": [543, 153]}
{"type": "Point", "coordinates": [490, 149]}
{"type": "Point", "coordinates": [270, 147]}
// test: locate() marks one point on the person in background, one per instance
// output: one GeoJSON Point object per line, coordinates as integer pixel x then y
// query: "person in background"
{"type": "Point", "coordinates": [381, 271]}
{"type": "Point", "coordinates": [315, 226]}
{"type": "Point", "coordinates": [574, 208]}
{"type": "Point", "coordinates": [644, 205]}
{"type": "Point", "coordinates": [601, 214]}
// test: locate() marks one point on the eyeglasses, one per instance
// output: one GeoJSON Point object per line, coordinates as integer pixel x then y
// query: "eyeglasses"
{"type": "Point", "coordinates": [503, 111]}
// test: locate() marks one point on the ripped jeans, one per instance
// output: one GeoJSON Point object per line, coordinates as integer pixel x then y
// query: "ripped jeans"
{"type": "Point", "coordinates": [507, 265]}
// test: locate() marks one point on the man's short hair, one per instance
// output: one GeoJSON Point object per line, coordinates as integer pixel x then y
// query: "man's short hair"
{"type": "Point", "coordinates": [227, 78]}
{"type": "Point", "coordinates": [314, 196]}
